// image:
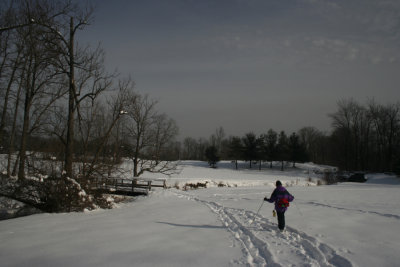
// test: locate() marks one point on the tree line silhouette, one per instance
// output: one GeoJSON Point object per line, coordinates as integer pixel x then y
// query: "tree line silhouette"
{"type": "Point", "coordinates": [363, 138]}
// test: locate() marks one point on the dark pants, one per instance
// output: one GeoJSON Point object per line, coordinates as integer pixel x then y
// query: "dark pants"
{"type": "Point", "coordinates": [281, 220]}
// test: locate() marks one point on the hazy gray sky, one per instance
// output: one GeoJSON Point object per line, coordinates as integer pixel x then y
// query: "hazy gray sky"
{"type": "Point", "coordinates": [252, 65]}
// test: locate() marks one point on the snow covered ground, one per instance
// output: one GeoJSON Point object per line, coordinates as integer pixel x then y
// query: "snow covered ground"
{"type": "Point", "coordinates": [338, 225]}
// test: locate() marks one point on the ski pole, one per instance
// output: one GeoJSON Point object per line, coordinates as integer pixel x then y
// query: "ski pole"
{"type": "Point", "coordinates": [262, 202]}
{"type": "Point", "coordinates": [257, 212]}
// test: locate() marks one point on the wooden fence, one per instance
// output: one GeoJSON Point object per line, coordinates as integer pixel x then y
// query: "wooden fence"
{"type": "Point", "coordinates": [126, 186]}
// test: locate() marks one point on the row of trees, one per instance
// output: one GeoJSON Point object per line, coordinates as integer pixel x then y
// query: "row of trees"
{"type": "Point", "coordinates": [56, 91]}
{"type": "Point", "coordinates": [56, 98]}
{"type": "Point", "coordinates": [363, 138]}
{"type": "Point", "coordinates": [270, 147]}
{"type": "Point", "coordinates": [366, 137]}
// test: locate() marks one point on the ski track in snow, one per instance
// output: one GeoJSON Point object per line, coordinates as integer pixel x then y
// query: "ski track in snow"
{"type": "Point", "coordinates": [357, 210]}
{"type": "Point", "coordinates": [264, 245]}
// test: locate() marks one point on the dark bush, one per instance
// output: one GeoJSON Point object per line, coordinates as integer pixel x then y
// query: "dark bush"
{"type": "Point", "coordinates": [357, 178]}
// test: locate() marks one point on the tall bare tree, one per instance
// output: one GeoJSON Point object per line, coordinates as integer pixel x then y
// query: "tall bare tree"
{"type": "Point", "coordinates": [9, 60]}
{"type": "Point", "coordinates": [64, 19]}
{"type": "Point", "coordinates": [352, 125]}
{"type": "Point", "coordinates": [149, 133]}
{"type": "Point", "coordinates": [217, 138]}
{"type": "Point", "coordinates": [315, 143]}
{"type": "Point", "coordinates": [96, 131]}
{"type": "Point", "coordinates": [386, 121]}
{"type": "Point", "coordinates": [39, 81]}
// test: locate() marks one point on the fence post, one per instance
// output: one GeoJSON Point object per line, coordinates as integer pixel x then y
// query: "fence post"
{"type": "Point", "coordinates": [134, 183]}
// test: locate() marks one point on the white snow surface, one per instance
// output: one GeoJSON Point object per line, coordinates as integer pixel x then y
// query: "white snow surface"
{"type": "Point", "coordinates": [348, 224]}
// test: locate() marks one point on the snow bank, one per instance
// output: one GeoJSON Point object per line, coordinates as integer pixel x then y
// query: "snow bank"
{"type": "Point", "coordinates": [227, 175]}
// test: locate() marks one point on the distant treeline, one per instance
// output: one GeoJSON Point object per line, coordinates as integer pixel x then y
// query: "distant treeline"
{"type": "Point", "coordinates": [363, 138]}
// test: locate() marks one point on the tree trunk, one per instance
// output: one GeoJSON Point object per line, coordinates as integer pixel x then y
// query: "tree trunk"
{"type": "Point", "coordinates": [30, 84]}
{"type": "Point", "coordinates": [6, 97]}
{"type": "Point", "coordinates": [24, 136]}
{"type": "Point", "coordinates": [71, 105]}
{"type": "Point", "coordinates": [13, 128]}
{"type": "Point", "coordinates": [135, 167]}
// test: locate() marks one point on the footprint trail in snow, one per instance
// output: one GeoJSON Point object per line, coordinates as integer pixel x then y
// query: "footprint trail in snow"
{"type": "Point", "coordinates": [264, 245]}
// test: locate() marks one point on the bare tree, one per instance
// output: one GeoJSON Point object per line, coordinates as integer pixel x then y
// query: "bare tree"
{"type": "Point", "coordinates": [149, 133]}
{"type": "Point", "coordinates": [9, 61]}
{"type": "Point", "coordinates": [217, 138]}
{"type": "Point", "coordinates": [386, 121]}
{"type": "Point", "coordinates": [165, 130]}
{"type": "Point", "coordinates": [43, 67]}
{"type": "Point", "coordinates": [14, 123]}
{"type": "Point", "coordinates": [314, 141]}
{"type": "Point", "coordinates": [64, 19]}
{"type": "Point", "coordinates": [189, 147]}
{"type": "Point", "coordinates": [49, 30]}
{"type": "Point", "coordinates": [352, 122]}
{"type": "Point", "coordinates": [96, 130]}
{"type": "Point", "coordinates": [39, 83]}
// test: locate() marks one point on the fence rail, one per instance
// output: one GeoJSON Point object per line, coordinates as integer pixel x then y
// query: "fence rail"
{"type": "Point", "coordinates": [123, 186]}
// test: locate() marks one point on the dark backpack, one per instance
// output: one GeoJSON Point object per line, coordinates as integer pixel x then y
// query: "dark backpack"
{"type": "Point", "coordinates": [283, 203]}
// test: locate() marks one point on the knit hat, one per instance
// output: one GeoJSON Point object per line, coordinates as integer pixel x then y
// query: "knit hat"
{"type": "Point", "coordinates": [278, 183]}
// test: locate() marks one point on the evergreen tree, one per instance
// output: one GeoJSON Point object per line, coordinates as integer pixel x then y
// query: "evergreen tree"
{"type": "Point", "coordinates": [251, 147]}
{"type": "Point", "coordinates": [235, 149]}
{"type": "Point", "coordinates": [211, 155]}
{"type": "Point", "coordinates": [261, 155]}
{"type": "Point", "coordinates": [270, 146]}
{"type": "Point", "coordinates": [282, 148]}
{"type": "Point", "coordinates": [296, 149]}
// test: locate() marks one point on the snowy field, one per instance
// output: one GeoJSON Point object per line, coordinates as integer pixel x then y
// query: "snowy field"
{"type": "Point", "coordinates": [348, 224]}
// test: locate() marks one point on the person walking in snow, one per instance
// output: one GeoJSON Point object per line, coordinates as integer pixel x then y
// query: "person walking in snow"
{"type": "Point", "coordinates": [281, 197]}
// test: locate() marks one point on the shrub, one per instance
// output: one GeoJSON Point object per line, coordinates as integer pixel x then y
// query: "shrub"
{"type": "Point", "coordinates": [221, 184]}
{"type": "Point", "coordinates": [195, 185]}
{"type": "Point", "coordinates": [330, 177]}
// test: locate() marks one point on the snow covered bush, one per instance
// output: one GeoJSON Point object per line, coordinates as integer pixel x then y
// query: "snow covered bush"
{"type": "Point", "coordinates": [54, 194]}
{"type": "Point", "coordinates": [66, 195]}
